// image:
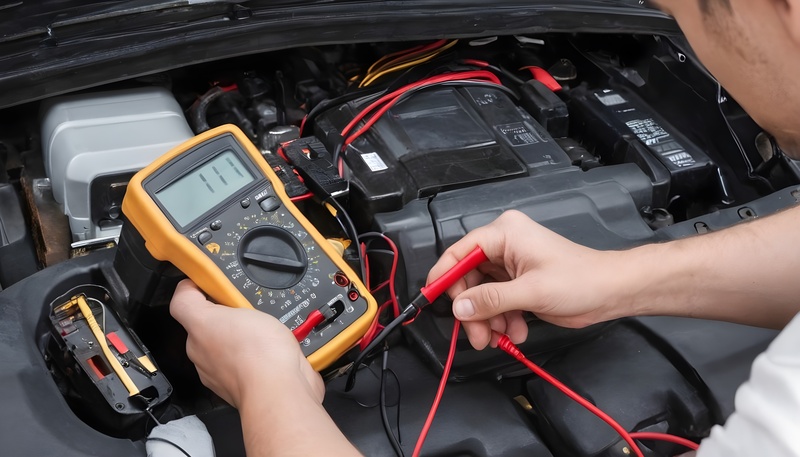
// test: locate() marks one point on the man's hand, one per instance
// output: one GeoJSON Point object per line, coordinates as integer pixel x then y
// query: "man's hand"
{"type": "Point", "coordinates": [254, 363]}
{"type": "Point", "coordinates": [241, 352]}
{"type": "Point", "coordinates": [530, 268]}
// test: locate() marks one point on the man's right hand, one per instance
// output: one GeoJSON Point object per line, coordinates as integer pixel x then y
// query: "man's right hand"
{"type": "Point", "coordinates": [532, 269]}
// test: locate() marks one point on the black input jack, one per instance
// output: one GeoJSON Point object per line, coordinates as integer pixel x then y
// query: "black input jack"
{"type": "Point", "coordinates": [337, 308]}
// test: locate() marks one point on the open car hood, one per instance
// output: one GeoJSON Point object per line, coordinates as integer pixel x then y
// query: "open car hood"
{"type": "Point", "coordinates": [52, 47]}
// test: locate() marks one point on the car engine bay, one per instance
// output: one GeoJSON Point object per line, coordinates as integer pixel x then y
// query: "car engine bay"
{"type": "Point", "coordinates": [610, 140]}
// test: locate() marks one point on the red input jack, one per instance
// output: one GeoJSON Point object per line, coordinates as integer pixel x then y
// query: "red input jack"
{"type": "Point", "coordinates": [353, 295]}
{"type": "Point", "coordinates": [341, 280]}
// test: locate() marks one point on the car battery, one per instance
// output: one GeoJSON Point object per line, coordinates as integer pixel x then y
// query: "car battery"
{"type": "Point", "coordinates": [624, 129]}
{"type": "Point", "coordinates": [440, 139]}
{"type": "Point", "coordinates": [93, 143]}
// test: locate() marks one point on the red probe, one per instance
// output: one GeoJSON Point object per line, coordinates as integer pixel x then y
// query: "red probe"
{"type": "Point", "coordinates": [428, 295]}
{"type": "Point", "coordinates": [435, 289]}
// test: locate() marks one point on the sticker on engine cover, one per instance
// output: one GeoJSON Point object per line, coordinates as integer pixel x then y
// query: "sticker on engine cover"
{"type": "Point", "coordinates": [517, 134]}
{"type": "Point", "coordinates": [612, 99]}
{"type": "Point", "coordinates": [374, 161]}
{"type": "Point", "coordinates": [660, 142]}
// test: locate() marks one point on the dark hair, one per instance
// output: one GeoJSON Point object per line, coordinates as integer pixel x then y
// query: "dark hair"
{"type": "Point", "coordinates": [706, 5]}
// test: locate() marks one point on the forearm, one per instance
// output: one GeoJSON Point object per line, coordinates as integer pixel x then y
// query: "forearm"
{"type": "Point", "coordinates": [290, 422]}
{"type": "Point", "coordinates": [745, 274]}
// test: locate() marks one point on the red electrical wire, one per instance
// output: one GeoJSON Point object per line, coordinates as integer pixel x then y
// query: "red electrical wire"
{"type": "Point", "coordinates": [665, 437]}
{"type": "Point", "coordinates": [440, 392]}
{"type": "Point", "coordinates": [477, 63]}
{"type": "Point", "coordinates": [404, 53]}
{"type": "Point", "coordinates": [544, 77]}
{"type": "Point", "coordinates": [374, 328]}
{"type": "Point", "coordinates": [303, 124]}
{"type": "Point", "coordinates": [366, 265]}
{"type": "Point", "coordinates": [475, 74]}
{"type": "Point", "coordinates": [437, 79]}
{"type": "Point", "coordinates": [505, 344]}
{"type": "Point", "coordinates": [393, 274]}
{"type": "Point", "coordinates": [305, 196]}
{"type": "Point", "coordinates": [380, 286]}
{"type": "Point", "coordinates": [411, 52]}
{"type": "Point", "coordinates": [370, 334]}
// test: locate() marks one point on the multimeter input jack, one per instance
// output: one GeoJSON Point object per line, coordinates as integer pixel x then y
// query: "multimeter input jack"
{"type": "Point", "coordinates": [353, 295]}
{"type": "Point", "coordinates": [340, 279]}
{"type": "Point", "coordinates": [334, 311]}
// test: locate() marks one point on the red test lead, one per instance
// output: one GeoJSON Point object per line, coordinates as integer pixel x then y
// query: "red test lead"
{"type": "Point", "coordinates": [428, 295]}
{"type": "Point", "coordinates": [435, 289]}
{"type": "Point", "coordinates": [314, 318]}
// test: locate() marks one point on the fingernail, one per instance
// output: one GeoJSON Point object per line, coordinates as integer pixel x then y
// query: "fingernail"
{"type": "Point", "coordinates": [463, 308]}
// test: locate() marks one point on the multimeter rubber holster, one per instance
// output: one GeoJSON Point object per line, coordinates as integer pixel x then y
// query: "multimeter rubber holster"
{"type": "Point", "coordinates": [149, 282]}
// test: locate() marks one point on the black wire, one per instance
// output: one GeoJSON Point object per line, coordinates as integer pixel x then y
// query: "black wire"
{"type": "Point", "coordinates": [380, 251]}
{"type": "Point", "coordinates": [404, 316]}
{"type": "Point", "coordinates": [378, 235]}
{"type": "Point", "coordinates": [399, 396]}
{"type": "Point", "coordinates": [351, 228]}
{"type": "Point", "coordinates": [337, 152]}
{"type": "Point", "coordinates": [155, 438]}
{"type": "Point", "coordinates": [384, 415]}
{"type": "Point", "coordinates": [338, 101]}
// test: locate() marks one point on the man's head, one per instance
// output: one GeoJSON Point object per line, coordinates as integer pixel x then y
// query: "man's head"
{"type": "Point", "coordinates": [753, 48]}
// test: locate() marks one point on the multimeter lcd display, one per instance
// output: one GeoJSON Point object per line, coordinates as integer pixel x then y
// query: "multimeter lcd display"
{"type": "Point", "coordinates": [204, 187]}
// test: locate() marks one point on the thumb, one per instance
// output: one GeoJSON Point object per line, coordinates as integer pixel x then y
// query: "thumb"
{"type": "Point", "coordinates": [488, 300]}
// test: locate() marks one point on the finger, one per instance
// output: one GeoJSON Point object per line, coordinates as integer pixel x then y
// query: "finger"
{"type": "Point", "coordinates": [471, 279]}
{"type": "Point", "coordinates": [185, 300]}
{"type": "Point", "coordinates": [488, 300]}
{"type": "Point", "coordinates": [516, 327]}
{"type": "Point", "coordinates": [478, 333]}
{"type": "Point", "coordinates": [498, 323]}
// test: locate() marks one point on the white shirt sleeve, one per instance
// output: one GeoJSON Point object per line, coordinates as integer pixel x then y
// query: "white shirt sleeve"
{"type": "Point", "coordinates": [767, 417]}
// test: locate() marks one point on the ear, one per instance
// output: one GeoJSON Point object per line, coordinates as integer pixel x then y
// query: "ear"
{"type": "Point", "coordinates": [789, 12]}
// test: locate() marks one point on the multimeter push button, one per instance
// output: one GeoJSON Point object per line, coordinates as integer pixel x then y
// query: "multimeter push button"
{"type": "Point", "coordinates": [270, 203]}
{"type": "Point", "coordinates": [204, 237]}
{"type": "Point", "coordinates": [216, 225]}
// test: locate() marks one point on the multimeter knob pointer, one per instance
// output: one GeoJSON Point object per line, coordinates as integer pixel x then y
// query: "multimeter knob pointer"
{"type": "Point", "coordinates": [272, 257]}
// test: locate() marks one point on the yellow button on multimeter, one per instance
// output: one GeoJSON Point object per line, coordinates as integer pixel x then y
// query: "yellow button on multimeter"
{"type": "Point", "coordinates": [215, 209]}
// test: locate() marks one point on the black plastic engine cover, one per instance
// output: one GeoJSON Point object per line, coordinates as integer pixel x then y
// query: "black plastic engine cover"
{"type": "Point", "coordinates": [626, 374]}
{"type": "Point", "coordinates": [475, 418]}
{"type": "Point", "coordinates": [598, 208]}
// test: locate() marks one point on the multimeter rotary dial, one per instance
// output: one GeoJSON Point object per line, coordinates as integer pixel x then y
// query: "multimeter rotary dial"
{"type": "Point", "coordinates": [272, 257]}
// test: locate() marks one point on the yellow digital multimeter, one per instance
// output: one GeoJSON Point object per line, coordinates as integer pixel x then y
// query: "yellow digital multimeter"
{"type": "Point", "coordinates": [215, 209]}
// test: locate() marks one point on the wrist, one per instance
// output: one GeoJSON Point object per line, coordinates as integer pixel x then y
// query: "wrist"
{"type": "Point", "coordinates": [659, 279]}
{"type": "Point", "coordinates": [268, 385]}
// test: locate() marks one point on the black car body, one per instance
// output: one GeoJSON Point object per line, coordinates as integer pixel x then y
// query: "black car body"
{"type": "Point", "coordinates": [592, 172]}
